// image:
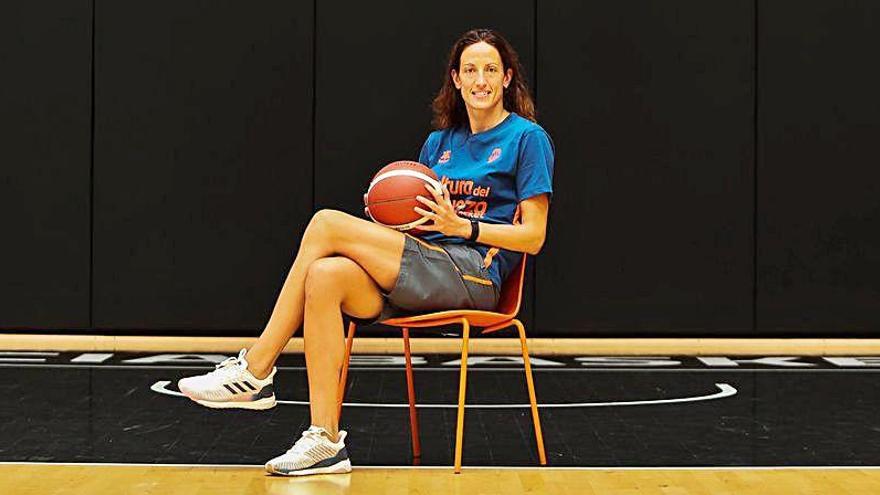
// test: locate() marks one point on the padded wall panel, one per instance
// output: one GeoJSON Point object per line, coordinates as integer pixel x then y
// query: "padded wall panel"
{"type": "Point", "coordinates": [818, 173]}
{"type": "Point", "coordinates": [651, 108]}
{"type": "Point", "coordinates": [203, 160]}
{"type": "Point", "coordinates": [45, 126]}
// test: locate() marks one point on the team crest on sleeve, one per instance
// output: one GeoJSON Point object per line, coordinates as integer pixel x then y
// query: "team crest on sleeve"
{"type": "Point", "coordinates": [445, 156]}
{"type": "Point", "coordinates": [496, 154]}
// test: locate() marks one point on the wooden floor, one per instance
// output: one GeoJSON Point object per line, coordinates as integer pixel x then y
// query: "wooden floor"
{"type": "Point", "coordinates": [47, 479]}
{"type": "Point", "coordinates": [494, 346]}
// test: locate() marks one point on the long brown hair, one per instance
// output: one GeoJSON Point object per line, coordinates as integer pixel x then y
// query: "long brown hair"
{"type": "Point", "coordinates": [448, 105]}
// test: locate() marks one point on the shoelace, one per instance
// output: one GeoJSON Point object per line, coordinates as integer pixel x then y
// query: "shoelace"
{"type": "Point", "coordinates": [228, 367]}
{"type": "Point", "coordinates": [227, 362]}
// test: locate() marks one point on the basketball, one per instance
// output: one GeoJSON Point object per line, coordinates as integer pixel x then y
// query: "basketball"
{"type": "Point", "coordinates": [391, 195]}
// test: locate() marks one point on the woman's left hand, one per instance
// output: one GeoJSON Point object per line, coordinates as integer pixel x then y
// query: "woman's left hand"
{"type": "Point", "coordinates": [444, 216]}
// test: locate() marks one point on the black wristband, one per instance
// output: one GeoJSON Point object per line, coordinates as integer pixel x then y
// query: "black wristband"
{"type": "Point", "coordinates": [475, 230]}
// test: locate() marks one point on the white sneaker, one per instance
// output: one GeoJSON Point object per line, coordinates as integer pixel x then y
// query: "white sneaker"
{"type": "Point", "coordinates": [313, 453]}
{"type": "Point", "coordinates": [231, 385]}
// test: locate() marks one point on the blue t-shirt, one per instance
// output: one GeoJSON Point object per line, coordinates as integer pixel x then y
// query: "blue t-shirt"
{"type": "Point", "coordinates": [491, 172]}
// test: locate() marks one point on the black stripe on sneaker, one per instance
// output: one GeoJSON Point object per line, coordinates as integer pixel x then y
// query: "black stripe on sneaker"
{"type": "Point", "coordinates": [248, 385]}
{"type": "Point", "coordinates": [226, 385]}
{"type": "Point", "coordinates": [339, 457]}
{"type": "Point", "coordinates": [238, 386]}
{"type": "Point", "coordinates": [266, 392]}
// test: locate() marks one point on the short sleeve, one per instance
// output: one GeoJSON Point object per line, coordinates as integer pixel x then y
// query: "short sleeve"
{"type": "Point", "coordinates": [534, 173]}
{"type": "Point", "coordinates": [428, 149]}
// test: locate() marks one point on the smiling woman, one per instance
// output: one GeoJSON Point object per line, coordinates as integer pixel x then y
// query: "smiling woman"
{"type": "Point", "coordinates": [482, 60]}
{"type": "Point", "coordinates": [495, 160]}
{"type": "Point", "coordinates": [495, 169]}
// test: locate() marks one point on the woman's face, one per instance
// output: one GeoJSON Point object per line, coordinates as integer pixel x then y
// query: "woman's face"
{"type": "Point", "coordinates": [481, 77]}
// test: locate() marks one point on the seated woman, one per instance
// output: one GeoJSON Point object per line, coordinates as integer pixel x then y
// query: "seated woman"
{"type": "Point", "coordinates": [496, 167]}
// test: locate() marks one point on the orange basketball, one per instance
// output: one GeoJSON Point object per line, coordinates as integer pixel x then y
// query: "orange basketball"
{"type": "Point", "coordinates": [391, 196]}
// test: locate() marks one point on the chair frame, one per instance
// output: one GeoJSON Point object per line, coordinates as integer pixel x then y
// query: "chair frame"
{"type": "Point", "coordinates": [509, 303]}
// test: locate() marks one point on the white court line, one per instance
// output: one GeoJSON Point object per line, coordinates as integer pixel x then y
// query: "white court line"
{"type": "Point", "coordinates": [514, 468]}
{"type": "Point", "coordinates": [28, 353]}
{"type": "Point", "coordinates": [471, 368]}
{"type": "Point", "coordinates": [724, 390]}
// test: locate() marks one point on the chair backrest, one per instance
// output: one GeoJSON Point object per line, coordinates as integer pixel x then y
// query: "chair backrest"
{"type": "Point", "coordinates": [511, 290]}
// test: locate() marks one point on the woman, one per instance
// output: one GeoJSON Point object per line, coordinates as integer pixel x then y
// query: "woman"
{"type": "Point", "coordinates": [496, 167]}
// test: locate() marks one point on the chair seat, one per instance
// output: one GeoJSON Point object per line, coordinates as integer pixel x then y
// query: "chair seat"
{"type": "Point", "coordinates": [504, 316]}
{"type": "Point", "coordinates": [475, 317]}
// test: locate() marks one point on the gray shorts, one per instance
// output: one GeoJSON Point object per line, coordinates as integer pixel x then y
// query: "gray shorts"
{"type": "Point", "coordinates": [437, 277]}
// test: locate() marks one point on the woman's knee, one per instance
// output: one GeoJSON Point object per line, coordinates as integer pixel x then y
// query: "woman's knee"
{"type": "Point", "coordinates": [325, 279]}
{"type": "Point", "coordinates": [330, 220]}
{"type": "Point", "coordinates": [325, 225]}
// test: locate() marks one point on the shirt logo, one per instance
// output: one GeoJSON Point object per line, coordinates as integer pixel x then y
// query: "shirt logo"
{"type": "Point", "coordinates": [496, 154]}
{"type": "Point", "coordinates": [445, 156]}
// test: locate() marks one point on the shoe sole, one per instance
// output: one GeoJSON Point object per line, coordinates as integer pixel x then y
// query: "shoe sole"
{"type": "Point", "coordinates": [258, 405]}
{"type": "Point", "coordinates": [340, 467]}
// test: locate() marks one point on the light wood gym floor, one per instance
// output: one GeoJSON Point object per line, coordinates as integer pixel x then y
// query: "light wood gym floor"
{"type": "Point", "coordinates": [44, 479]}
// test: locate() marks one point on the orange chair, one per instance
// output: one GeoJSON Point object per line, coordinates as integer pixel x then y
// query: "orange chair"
{"type": "Point", "coordinates": [503, 317]}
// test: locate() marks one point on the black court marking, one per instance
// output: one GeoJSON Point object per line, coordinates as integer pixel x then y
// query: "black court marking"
{"type": "Point", "coordinates": [192, 370]}
{"type": "Point", "coordinates": [450, 362]}
{"type": "Point", "coordinates": [106, 412]}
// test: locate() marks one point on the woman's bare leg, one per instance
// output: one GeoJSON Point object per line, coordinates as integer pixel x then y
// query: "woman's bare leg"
{"type": "Point", "coordinates": [333, 285]}
{"type": "Point", "coordinates": [374, 248]}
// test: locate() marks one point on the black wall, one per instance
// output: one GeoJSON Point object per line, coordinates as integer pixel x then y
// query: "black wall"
{"type": "Point", "coordinates": [715, 173]}
{"type": "Point", "coordinates": [819, 168]}
{"type": "Point", "coordinates": [650, 106]}
{"type": "Point", "coordinates": [203, 160]}
{"type": "Point", "coordinates": [45, 155]}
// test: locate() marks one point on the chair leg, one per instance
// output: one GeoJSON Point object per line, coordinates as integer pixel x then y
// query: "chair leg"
{"type": "Point", "coordinates": [462, 386]}
{"type": "Point", "coordinates": [343, 376]}
{"type": "Point", "coordinates": [410, 391]}
{"type": "Point", "coordinates": [539, 437]}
